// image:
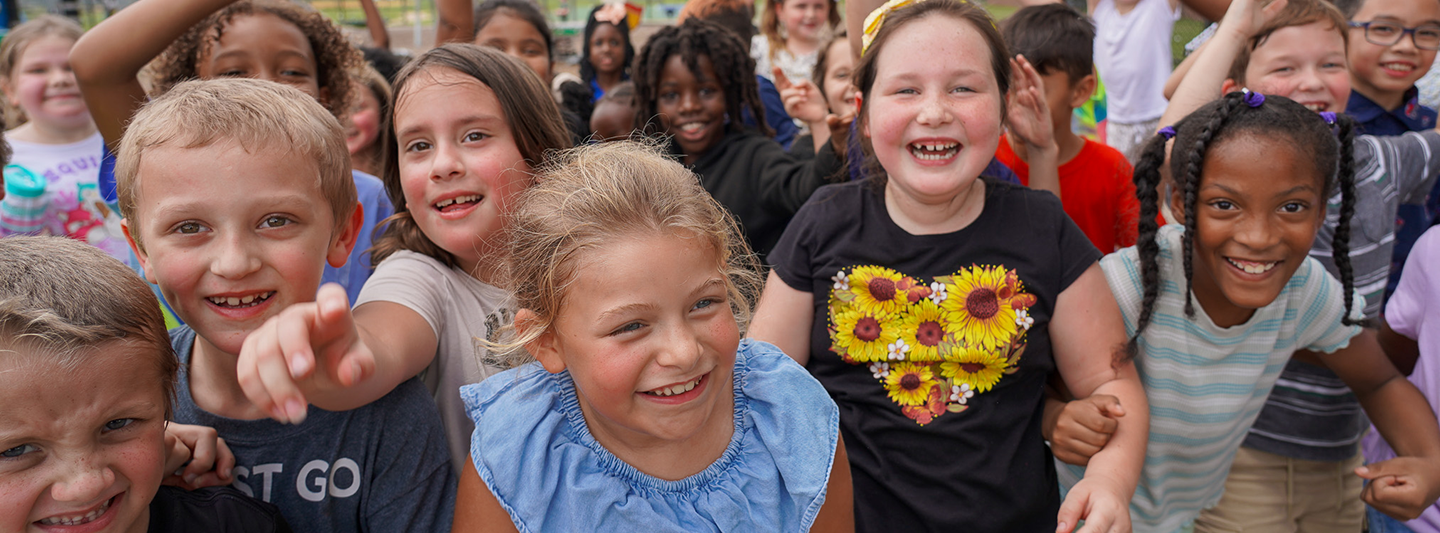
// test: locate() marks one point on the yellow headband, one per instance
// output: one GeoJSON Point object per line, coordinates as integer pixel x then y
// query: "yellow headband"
{"type": "Point", "coordinates": [877, 19]}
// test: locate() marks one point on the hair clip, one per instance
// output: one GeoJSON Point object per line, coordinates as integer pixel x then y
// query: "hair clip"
{"type": "Point", "coordinates": [1252, 98]}
{"type": "Point", "coordinates": [1168, 132]}
{"type": "Point", "coordinates": [1328, 117]}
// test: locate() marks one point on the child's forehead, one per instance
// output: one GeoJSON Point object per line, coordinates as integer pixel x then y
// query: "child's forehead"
{"type": "Point", "coordinates": [1414, 11]}
{"type": "Point", "coordinates": [169, 157]}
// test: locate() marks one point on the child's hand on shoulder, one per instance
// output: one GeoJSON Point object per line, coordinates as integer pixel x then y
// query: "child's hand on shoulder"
{"type": "Point", "coordinates": [196, 457]}
{"type": "Point", "coordinates": [1100, 501]}
{"type": "Point", "coordinates": [308, 347]}
{"type": "Point", "coordinates": [1402, 487]}
{"type": "Point", "coordinates": [1084, 426]}
{"type": "Point", "coordinates": [1028, 115]}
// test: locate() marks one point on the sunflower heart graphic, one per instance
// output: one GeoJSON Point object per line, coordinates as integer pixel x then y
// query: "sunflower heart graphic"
{"type": "Point", "coordinates": [967, 328]}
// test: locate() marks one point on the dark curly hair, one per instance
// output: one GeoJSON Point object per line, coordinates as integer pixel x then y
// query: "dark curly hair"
{"type": "Point", "coordinates": [1212, 124]}
{"type": "Point", "coordinates": [587, 70]}
{"type": "Point", "coordinates": [734, 70]}
{"type": "Point", "coordinates": [335, 57]}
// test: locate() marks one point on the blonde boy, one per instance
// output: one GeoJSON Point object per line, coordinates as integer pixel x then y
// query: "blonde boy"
{"type": "Point", "coordinates": [236, 194]}
{"type": "Point", "coordinates": [86, 377]}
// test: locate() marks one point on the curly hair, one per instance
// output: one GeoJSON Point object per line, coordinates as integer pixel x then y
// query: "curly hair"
{"type": "Point", "coordinates": [587, 70]}
{"type": "Point", "coordinates": [1213, 124]}
{"type": "Point", "coordinates": [734, 71]}
{"type": "Point", "coordinates": [335, 57]}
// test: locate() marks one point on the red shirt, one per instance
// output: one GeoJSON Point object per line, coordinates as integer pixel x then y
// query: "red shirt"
{"type": "Point", "coordinates": [1096, 191]}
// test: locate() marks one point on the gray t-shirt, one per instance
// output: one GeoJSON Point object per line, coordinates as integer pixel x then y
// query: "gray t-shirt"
{"type": "Point", "coordinates": [380, 468]}
{"type": "Point", "coordinates": [460, 310]}
{"type": "Point", "coordinates": [1311, 414]}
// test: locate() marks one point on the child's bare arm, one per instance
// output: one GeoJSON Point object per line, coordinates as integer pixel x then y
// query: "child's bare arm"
{"type": "Point", "coordinates": [375, 24]}
{"type": "Point", "coordinates": [1028, 120]}
{"type": "Point", "coordinates": [325, 354]}
{"type": "Point", "coordinates": [109, 56]}
{"type": "Point", "coordinates": [456, 21]}
{"type": "Point", "coordinates": [1173, 82]}
{"type": "Point", "coordinates": [196, 457]}
{"type": "Point", "coordinates": [855, 13]}
{"type": "Point", "coordinates": [476, 509]}
{"type": "Point", "coordinates": [1079, 429]}
{"type": "Point", "coordinates": [1201, 84]}
{"type": "Point", "coordinates": [784, 317]}
{"type": "Point", "coordinates": [1210, 9]}
{"type": "Point", "coordinates": [1088, 339]}
{"type": "Point", "coordinates": [1403, 351]}
{"type": "Point", "coordinates": [837, 515]}
{"type": "Point", "coordinates": [1405, 486]}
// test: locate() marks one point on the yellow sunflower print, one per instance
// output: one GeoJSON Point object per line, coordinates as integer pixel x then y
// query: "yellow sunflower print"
{"type": "Point", "coordinates": [910, 383]}
{"type": "Point", "coordinates": [978, 303]}
{"type": "Point", "coordinates": [865, 337]}
{"type": "Point", "coordinates": [979, 369]}
{"type": "Point", "coordinates": [877, 290]}
{"type": "Point", "coordinates": [924, 329]}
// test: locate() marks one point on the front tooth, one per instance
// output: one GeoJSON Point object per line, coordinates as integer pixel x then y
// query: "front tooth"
{"type": "Point", "coordinates": [690, 386]}
{"type": "Point", "coordinates": [232, 301]}
{"type": "Point", "coordinates": [246, 300]}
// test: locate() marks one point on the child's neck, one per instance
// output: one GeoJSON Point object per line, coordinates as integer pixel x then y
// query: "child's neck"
{"type": "Point", "coordinates": [214, 384]}
{"type": "Point", "coordinates": [666, 459]}
{"type": "Point", "coordinates": [1215, 305]}
{"type": "Point", "coordinates": [923, 218]}
{"type": "Point", "coordinates": [1387, 100]}
{"type": "Point", "coordinates": [1069, 143]}
{"type": "Point", "coordinates": [38, 133]}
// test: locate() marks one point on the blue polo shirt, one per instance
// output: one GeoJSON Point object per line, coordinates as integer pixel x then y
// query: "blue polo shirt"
{"type": "Point", "coordinates": [1411, 220]}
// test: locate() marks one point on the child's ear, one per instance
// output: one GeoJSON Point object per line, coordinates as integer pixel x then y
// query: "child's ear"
{"type": "Point", "coordinates": [1177, 205]}
{"type": "Point", "coordinates": [345, 237]}
{"type": "Point", "coordinates": [1229, 86]}
{"type": "Point", "coordinates": [864, 124]}
{"type": "Point", "coordinates": [1082, 90]}
{"type": "Point", "coordinates": [139, 252]}
{"type": "Point", "coordinates": [544, 348]}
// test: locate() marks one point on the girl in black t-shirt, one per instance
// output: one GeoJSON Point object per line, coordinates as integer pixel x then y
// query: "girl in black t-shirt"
{"type": "Point", "coordinates": [933, 304]}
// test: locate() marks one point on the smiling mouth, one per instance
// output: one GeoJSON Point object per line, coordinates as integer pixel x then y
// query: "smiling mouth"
{"type": "Point", "coordinates": [673, 390]}
{"type": "Point", "coordinates": [458, 202]}
{"type": "Point", "coordinates": [1317, 106]}
{"type": "Point", "coordinates": [691, 127]}
{"type": "Point", "coordinates": [77, 520]}
{"type": "Point", "coordinates": [1252, 267]}
{"type": "Point", "coordinates": [232, 302]}
{"type": "Point", "coordinates": [934, 151]}
{"type": "Point", "coordinates": [1398, 67]}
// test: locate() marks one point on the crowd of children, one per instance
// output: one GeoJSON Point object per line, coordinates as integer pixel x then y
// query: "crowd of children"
{"type": "Point", "coordinates": [858, 275]}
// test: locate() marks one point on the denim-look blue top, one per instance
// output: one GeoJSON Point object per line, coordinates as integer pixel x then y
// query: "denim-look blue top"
{"type": "Point", "coordinates": [535, 453]}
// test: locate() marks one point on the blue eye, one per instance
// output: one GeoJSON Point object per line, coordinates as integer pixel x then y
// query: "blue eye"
{"type": "Point", "coordinates": [118, 423]}
{"type": "Point", "coordinates": [627, 328]}
{"type": "Point", "coordinates": [17, 451]}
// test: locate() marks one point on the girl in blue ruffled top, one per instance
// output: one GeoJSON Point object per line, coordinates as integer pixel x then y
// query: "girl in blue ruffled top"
{"type": "Point", "coordinates": [642, 408]}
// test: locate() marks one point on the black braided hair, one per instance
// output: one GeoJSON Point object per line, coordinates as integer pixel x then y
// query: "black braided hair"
{"type": "Point", "coordinates": [1212, 124]}
{"type": "Point", "coordinates": [734, 70]}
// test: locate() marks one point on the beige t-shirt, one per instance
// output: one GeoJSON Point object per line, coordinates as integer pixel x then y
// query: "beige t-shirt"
{"type": "Point", "coordinates": [461, 310]}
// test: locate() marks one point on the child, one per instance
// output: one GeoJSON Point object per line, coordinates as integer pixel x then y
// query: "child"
{"type": "Point", "coordinates": [472, 122]}
{"type": "Point", "coordinates": [911, 297]}
{"type": "Point", "coordinates": [1094, 178]}
{"type": "Point", "coordinates": [1408, 336]}
{"type": "Point", "coordinates": [1310, 426]}
{"type": "Point", "coordinates": [688, 80]}
{"type": "Point", "coordinates": [518, 28]}
{"type": "Point", "coordinates": [1242, 254]}
{"type": "Point", "coordinates": [265, 39]}
{"type": "Point", "coordinates": [57, 140]}
{"type": "Point", "coordinates": [87, 376]}
{"type": "Point", "coordinates": [831, 83]}
{"type": "Point", "coordinates": [365, 134]}
{"type": "Point", "coordinates": [236, 194]}
{"type": "Point", "coordinates": [736, 16]}
{"type": "Point", "coordinates": [646, 408]}
{"type": "Point", "coordinates": [607, 53]}
{"type": "Point", "coordinates": [614, 116]}
{"type": "Point", "coordinates": [791, 34]}
{"type": "Point", "coordinates": [1132, 53]}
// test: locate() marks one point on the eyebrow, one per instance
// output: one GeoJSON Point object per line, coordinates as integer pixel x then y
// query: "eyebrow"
{"type": "Point", "coordinates": [1285, 192]}
{"type": "Point", "coordinates": [488, 120]}
{"type": "Point", "coordinates": [165, 210]}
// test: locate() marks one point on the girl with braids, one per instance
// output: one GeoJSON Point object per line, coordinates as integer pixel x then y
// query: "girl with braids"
{"type": "Point", "coordinates": [267, 39]}
{"type": "Point", "coordinates": [692, 82]}
{"type": "Point", "coordinates": [1216, 306]}
{"type": "Point", "coordinates": [934, 303]}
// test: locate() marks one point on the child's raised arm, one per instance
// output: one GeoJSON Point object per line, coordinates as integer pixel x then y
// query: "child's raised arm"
{"type": "Point", "coordinates": [1201, 85]}
{"type": "Point", "coordinates": [1028, 121]}
{"type": "Point", "coordinates": [107, 58]}
{"type": "Point", "coordinates": [1087, 334]}
{"type": "Point", "coordinates": [324, 353]}
{"type": "Point", "coordinates": [1405, 486]}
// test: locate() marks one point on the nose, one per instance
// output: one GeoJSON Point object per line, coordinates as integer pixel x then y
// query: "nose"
{"type": "Point", "coordinates": [689, 102]}
{"type": "Point", "coordinates": [934, 112]}
{"type": "Point", "coordinates": [85, 480]}
{"type": "Point", "coordinates": [446, 163]}
{"type": "Point", "coordinates": [1257, 233]}
{"type": "Point", "coordinates": [1309, 80]}
{"type": "Point", "coordinates": [681, 349]}
{"type": "Point", "coordinates": [237, 257]}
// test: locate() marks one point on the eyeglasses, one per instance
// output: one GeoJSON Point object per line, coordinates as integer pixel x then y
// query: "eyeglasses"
{"type": "Point", "coordinates": [1426, 37]}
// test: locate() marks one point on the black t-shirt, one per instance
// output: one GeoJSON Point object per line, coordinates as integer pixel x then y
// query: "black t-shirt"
{"type": "Point", "coordinates": [212, 510]}
{"type": "Point", "coordinates": [940, 392]}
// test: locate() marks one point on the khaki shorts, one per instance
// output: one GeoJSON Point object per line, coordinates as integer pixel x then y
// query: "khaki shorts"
{"type": "Point", "coordinates": [1271, 493]}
